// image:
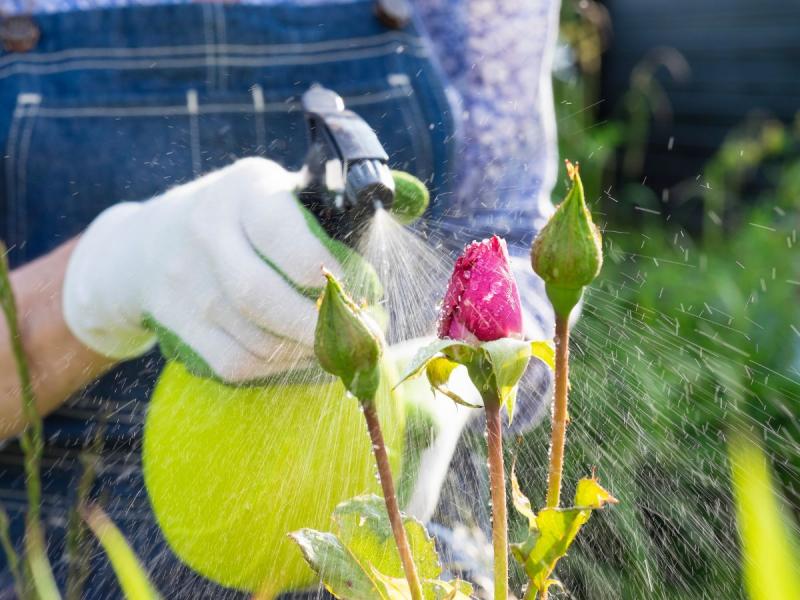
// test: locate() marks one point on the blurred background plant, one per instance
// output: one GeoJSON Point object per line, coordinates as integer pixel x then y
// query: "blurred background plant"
{"type": "Point", "coordinates": [693, 325]}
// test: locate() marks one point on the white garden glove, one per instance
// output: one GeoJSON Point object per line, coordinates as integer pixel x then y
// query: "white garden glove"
{"type": "Point", "coordinates": [224, 271]}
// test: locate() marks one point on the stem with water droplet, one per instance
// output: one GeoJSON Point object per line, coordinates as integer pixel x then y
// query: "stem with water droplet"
{"type": "Point", "coordinates": [497, 482]}
{"type": "Point", "coordinates": [389, 496]}
{"type": "Point", "coordinates": [559, 430]}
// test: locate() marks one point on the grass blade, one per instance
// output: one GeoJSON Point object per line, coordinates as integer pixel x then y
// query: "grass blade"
{"type": "Point", "coordinates": [132, 577]}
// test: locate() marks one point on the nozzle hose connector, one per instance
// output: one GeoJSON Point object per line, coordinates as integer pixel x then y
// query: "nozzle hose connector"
{"type": "Point", "coordinates": [349, 179]}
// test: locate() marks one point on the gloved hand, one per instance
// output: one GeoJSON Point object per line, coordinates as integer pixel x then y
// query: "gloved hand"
{"type": "Point", "coordinates": [224, 271]}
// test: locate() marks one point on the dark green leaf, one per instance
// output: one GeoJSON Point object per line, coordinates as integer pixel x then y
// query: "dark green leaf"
{"type": "Point", "coordinates": [341, 573]}
{"type": "Point", "coordinates": [364, 528]}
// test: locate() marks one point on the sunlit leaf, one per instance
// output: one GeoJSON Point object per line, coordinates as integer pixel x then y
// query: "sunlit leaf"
{"type": "Point", "coordinates": [447, 590]}
{"type": "Point", "coordinates": [545, 352]}
{"type": "Point", "coordinates": [132, 577]}
{"type": "Point", "coordinates": [396, 588]}
{"type": "Point", "coordinates": [590, 494]}
{"type": "Point", "coordinates": [769, 546]}
{"type": "Point", "coordinates": [520, 500]}
{"type": "Point", "coordinates": [339, 571]}
{"type": "Point", "coordinates": [363, 527]}
{"type": "Point", "coordinates": [362, 562]}
{"type": "Point", "coordinates": [553, 532]}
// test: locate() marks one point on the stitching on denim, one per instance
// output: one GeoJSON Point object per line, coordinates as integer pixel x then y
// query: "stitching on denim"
{"type": "Point", "coordinates": [257, 92]}
{"type": "Point", "coordinates": [176, 63]}
{"type": "Point", "coordinates": [221, 40]}
{"type": "Point", "coordinates": [21, 201]}
{"type": "Point", "coordinates": [200, 49]}
{"type": "Point", "coordinates": [10, 168]}
{"type": "Point", "coordinates": [16, 137]}
{"type": "Point", "coordinates": [193, 110]}
{"type": "Point", "coordinates": [210, 51]}
{"type": "Point", "coordinates": [210, 108]}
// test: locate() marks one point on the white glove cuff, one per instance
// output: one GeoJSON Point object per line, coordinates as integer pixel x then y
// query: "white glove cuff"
{"type": "Point", "coordinates": [99, 300]}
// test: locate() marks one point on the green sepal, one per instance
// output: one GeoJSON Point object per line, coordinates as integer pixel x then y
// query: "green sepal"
{"type": "Point", "coordinates": [494, 367]}
{"type": "Point", "coordinates": [438, 371]}
{"type": "Point", "coordinates": [416, 366]}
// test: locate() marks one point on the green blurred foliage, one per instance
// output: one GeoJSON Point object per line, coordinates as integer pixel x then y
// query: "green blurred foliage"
{"type": "Point", "coordinates": [683, 336]}
{"type": "Point", "coordinates": [770, 547]}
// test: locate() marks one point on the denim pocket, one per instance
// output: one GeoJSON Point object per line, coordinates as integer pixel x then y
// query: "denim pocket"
{"type": "Point", "coordinates": [68, 159]}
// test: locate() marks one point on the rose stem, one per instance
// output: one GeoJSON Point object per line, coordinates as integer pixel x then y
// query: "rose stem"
{"type": "Point", "coordinates": [389, 496]}
{"type": "Point", "coordinates": [559, 430]}
{"type": "Point", "coordinates": [497, 478]}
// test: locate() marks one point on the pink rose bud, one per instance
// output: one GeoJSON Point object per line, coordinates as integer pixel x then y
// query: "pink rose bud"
{"type": "Point", "coordinates": [482, 301]}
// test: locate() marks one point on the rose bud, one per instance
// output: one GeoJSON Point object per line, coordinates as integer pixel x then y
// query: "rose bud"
{"type": "Point", "coordinates": [568, 252]}
{"type": "Point", "coordinates": [482, 301]}
{"type": "Point", "coordinates": [348, 344]}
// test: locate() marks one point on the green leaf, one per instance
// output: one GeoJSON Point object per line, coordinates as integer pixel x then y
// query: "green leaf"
{"type": "Point", "coordinates": [132, 577]}
{"type": "Point", "coordinates": [520, 500]}
{"type": "Point", "coordinates": [590, 494]}
{"type": "Point", "coordinates": [554, 530]}
{"type": "Point", "coordinates": [545, 352]}
{"type": "Point", "coordinates": [421, 359]}
{"type": "Point", "coordinates": [396, 588]}
{"type": "Point", "coordinates": [508, 358]}
{"type": "Point", "coordinates": [363, 527]}
{"type": "Point", "coordinates": [342, 575]}
{"type": "Point", "coordinates": [438, 372]}
{"type": "Point", "coordinates": [769, 545]}
{"type": "Point", "coordinates": [362, 562]}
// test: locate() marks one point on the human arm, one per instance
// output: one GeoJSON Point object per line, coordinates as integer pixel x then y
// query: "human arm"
{"type": "Point", "coordinates": [59, 363]}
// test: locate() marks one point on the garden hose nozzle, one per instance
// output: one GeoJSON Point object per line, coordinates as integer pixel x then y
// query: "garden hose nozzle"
{"type": "Point", "coordinates": [348, 178]}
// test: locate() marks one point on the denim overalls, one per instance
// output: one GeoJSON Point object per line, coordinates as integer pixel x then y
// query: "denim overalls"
{"type": "Point", "coordinates": [121, 104]}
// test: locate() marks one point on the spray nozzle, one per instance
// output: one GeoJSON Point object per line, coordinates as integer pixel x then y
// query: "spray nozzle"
{"type": "Point", "coordinates": [348, 178]}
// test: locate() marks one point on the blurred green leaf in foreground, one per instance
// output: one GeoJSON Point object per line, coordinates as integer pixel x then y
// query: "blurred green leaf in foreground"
{"type": "Point", "coordinates": [770, 555]}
